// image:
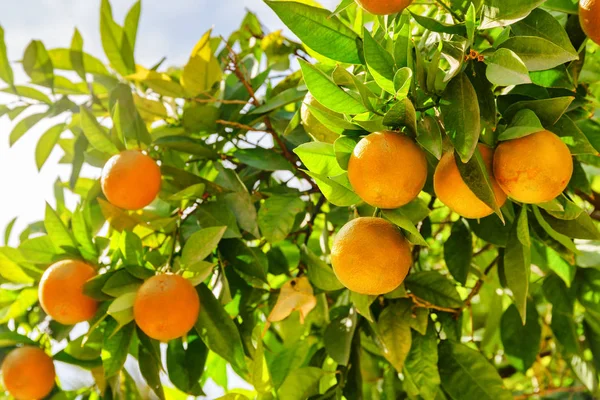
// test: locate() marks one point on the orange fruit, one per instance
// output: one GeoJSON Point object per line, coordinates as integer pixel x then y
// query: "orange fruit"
{"type": "Point", "coordinates": [384, 7]}
{"type": "Point", "coordinates": [452, 190]}
{"type": "Point", "coordinates": [370, 256]}
{"type": "Point", "coordinates": [166, 307]}
{"type": "Point", "coordinates": [131, 180]}
{"type": "Point", "coordinates": [589, 17]}
{"type": "Point", "coordinates": [387, 169]}
{"type": "Point", "coordinates": [28, 373]}
{"type": "Point", "coordinates": [533, 169]}
{"type": "Point", "coordinates": [61, 292]}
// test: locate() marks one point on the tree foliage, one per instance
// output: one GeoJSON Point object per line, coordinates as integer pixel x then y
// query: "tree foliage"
{"type": "Point", "coordinates": [252, 197]}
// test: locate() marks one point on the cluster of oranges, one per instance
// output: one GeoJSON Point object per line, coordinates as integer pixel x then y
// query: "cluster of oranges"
{"type": "Point", "coordinates": [388, 170]}
{"type": "Point", "coordinates": [166, 306]}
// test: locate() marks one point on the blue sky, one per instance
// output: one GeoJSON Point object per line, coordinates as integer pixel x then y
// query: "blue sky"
{"type": "Point", "coordinates": [167, 28]}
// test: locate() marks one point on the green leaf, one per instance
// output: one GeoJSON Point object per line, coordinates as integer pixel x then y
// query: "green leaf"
{"type": "Point", "coordinates": [521, 342]}
{"type": "Point", "coordinates": [28, 92]}
{"type": "Point", "coordinates": [319, 273]}
{"type": "Point", "coordinates": [301, 384]}
{"type": "Point", "coordinates": [517, 262]}
{"type": "Point", "coordinates": [362, 303]}
{"type": "Point", "coordinates": [400, 218]}
{"type": "Point", "coordinates": [82, 234]}
{"type": "Point", "coordinates": [150, 370]}
{"type": "Point", "coordinates": [6, 72]}
{"type": "Point", "coordinates": [422, 363]}
{"type": "Point", "coordinates": [434, 288]}
{"type": "Point", "coordinates": [46, 144]}
{"type": "Point", "coordinates": [475, 174]}
{"type": "Point", "coordinates": [188, 145]}
{"type": "Point", "coordinates": [379, 62]}
{"type": "Point", "coordinates": [57, 231]}
{"type": "Point", "coordinates": [115, 346]}
{"type": "Point", "coordinates": [437, 26]}
{"type": "Point", "coordinates": [542, 24]}
{"type": "Point", "coordinates": [9, 339]}
{"type": "Point", "coordinates": [277, 215]}
{"type": "Point", "coordinates": [339, 334]}
{"type": "Point", "coordinates": [259, 373]}
{"type": "Point", "coordinates": [24, 125]}
{"type": "Point", "coordinates": [394, 331]}
{"type": "Point", "coordinates": [265, 159]}
{"type": "Point", "coordinates": [96, 134]}
{"type": "Point", "coordinates": [319, 158]}
{"type": "Point", "coordinates": [284, 98]}
{"type": "Point", "coordinates": [217, 214]}
{"type": "Point", "coordinates": [344, 146]}
{"type": "Point", "coordinates": [460, 112]}
{"type": "Point", "coordinates": [458, 251]}
{"type": "Point", "coordinates": [505, 68]}
{"type": "Point", "coordinates": [38, 65]}
{"type": "Point", "coordinates": [218, 331]}
{"type": "Point", "coordinates": [466, 374]}
{"type": "Point", "coordinates": [8, 230]}
{"type": "Point", "coordinates": [562, 239]}
{"type": "Point", "coordinates": [126, 118]}
{"type": "Point", "coordinates": [39, 250]}
{"type": "Point", "coordinates": [402, 114]}
{"type": "Point", "coordinates": [572, 136]}
{"type": "Point", "coordinates": [429, 136]}
{"type": "Point", "coordinates": [115, 42]}
{"type": "Point", "coordinates": [582, 227]}
{"type": "Point", "coordinates": [326, 92]}
{"type": "Point", "coordinates": [239, 202]}
{"type": "Point", "coordinates": [203, 70]}
{"type": "Point", "coordinates": [563, 323]}
{"type": "Point", "coordinates": [185, 365]}
{"type": "Point", "coordinates": [336, 189]}
{"type": "Point", "coordinates": [537, 53]}
{"type": "Point", "coordinates": [248, 261]}
{"type": "Point", "coordinates": [11, 271]}
{"type": "Point", "coordinates": [558, 78]}
{"type": "Point", "coordinates": [62, 59]}
{"type": "Point", "coordinates": [524, 123]}
{"type": "Point", "coordinates": [497, 13]}
{"type": "Point", "coordinates": [26, 299]}
{"type": "Point", "coordinates": [200, 245]}
{"type": "Point", "coordinates": [319, 30]}
{"type": "Point", "coordinates": [132, 21]}
{"type": "Point", "coordinates": [548, 111]}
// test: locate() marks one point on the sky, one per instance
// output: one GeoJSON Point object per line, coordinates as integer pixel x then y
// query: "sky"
{"type": "Point", "coordinates": [167, 28]}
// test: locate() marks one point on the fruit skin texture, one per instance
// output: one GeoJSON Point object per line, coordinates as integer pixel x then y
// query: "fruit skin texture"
{"type": "Point", "coordinates": [28, 373]}
{"type": "Point", "coordinates": [131, 180]}
{"type": "Point", "coordinates": [61, 292]}
{"type": "Point", "coordinates": [589, 16]}
{"type": "Point", "coordinates": [384, 7]}
{"type": "Point", "coordinates": [166, 307]}
{"type": "Point", "coordinates": [452, 190]}
{"type": "Point", "coordinates": [312, 125]}
{"type": "Point", "coordinates": [533, 169]}
{"type": "Point", "coordinates": [387, 169]}
{"type": "Point", "coordinates": [370, 256]}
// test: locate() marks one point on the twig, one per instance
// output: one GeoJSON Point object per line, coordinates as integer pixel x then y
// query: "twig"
{"type": "Point", "coordinates": [239, 126]}
{"type": "Point", "coordinates": [447, 8]}
{"type": "Point", "coordinates": [593, 199]}
{"type": "Point", "coordinates": [423, 303]}
{"type": "Point", "coordinates": [223, 101]}
{"type": "Point", "coordinates": [573, 389]}
{"type": "Point", "coordinates": [479, 284]}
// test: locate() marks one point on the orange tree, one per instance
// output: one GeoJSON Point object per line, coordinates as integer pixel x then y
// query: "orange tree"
{"type": "Point", "coordinates": [231, 184]}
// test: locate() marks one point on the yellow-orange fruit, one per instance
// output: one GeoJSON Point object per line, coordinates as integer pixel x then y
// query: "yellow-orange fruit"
{"type": "Point", "coordinates": [387, 169]}
{"type": "Point", "coordinates": [589, 16]}
{"type": "Point", "coordinates": [452, 190]}
{"type": "Point", "coordinates": [61, 292]}
{"type": "Point", "coordinates": [370, 256]}
{"type": "Point", "coordinates": [533, 169]}
{"type": "Point", "coordinates": [131, 180]}
{"type": "Point", "coordinates": [166, 307]}
{"type": "Point", "coordinates": [384, 7]}
{"type": "Point", "coordinates": [28, 373]}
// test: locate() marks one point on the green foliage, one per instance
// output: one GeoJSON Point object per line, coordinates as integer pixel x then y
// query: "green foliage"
{"type": "Point", "coordinates": [251, 201]}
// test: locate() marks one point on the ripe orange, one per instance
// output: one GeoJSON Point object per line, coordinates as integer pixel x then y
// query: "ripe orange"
{"type": "Point", "coordinates": [452, 190]}
{"type": "Point", "coordinates": [166, 307]}
{"type": "Point", "coordinates": [131, 180]}
{"type": "Point", "coordinates": [387, 169]}
{"type": "Point", "coordinates": [589, 16]}
{"type": "Point", "coordinates": [28, 373]}
{"type": "Point", "coordinates": [533, 169]}
{"type": "Point", "coordinates": [384, 7]}
{"type": "Point", "coordinates": [61, 292]}
{"type": "Point", "coordinates": [370, 256]}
